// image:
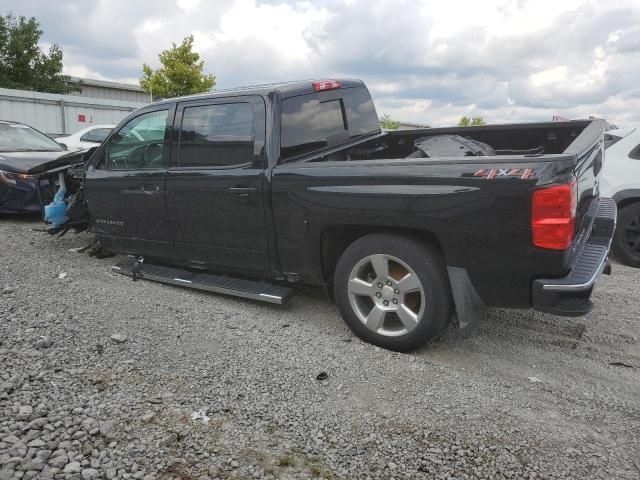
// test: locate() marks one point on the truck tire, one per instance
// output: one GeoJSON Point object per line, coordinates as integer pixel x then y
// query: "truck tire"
{"type": "Point", "coordinates": [626, 241]}
{"type": "Point", "coordinates": [393, 291]}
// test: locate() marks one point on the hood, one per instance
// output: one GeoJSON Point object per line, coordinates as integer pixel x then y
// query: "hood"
{"type": "Point", "coordinates": [38, 162]}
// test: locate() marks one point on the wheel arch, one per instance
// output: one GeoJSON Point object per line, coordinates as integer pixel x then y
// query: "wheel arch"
{"type": "Point", "coordinates": [335, 239]}
{"type": "Point", "coordinates": [625, 198]}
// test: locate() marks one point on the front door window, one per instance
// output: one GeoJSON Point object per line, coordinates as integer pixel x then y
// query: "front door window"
{"type": "Point", "coordinates": [139, 144]}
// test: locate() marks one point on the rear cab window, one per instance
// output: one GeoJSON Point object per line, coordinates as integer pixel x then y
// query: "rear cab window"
{"type": "Point", "coordinates": [315, 121]}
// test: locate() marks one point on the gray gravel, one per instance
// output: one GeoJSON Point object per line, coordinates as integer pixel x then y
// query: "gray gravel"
{"type": "Point", "coordinates": [102, 377]}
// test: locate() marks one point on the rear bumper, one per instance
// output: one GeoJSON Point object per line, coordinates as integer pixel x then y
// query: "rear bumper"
{"type": "Point", "coordinates": [569, 295]}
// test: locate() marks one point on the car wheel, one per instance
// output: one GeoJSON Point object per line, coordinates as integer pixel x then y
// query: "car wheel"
{"type": "Point", "coordinates": [393, 291]}
{"type": "Point", "coordinates": [626, 241]}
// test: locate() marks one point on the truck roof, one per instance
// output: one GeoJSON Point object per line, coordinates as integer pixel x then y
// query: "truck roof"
{"type": "Point", "coordinates": [285, 89]}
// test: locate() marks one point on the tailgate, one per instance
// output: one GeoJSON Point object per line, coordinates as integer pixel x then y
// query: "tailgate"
{"type": "Point", "coordinates": [588, 148]}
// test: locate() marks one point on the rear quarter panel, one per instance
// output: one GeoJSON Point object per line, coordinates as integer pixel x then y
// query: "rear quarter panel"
{"type": "Point", "coordinates": [481, 224]}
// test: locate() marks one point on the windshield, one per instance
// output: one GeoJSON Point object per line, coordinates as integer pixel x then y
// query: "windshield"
{"type": "Point", "coordinates": [15, 137]}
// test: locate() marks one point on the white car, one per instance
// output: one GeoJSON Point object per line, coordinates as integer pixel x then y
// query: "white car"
{"type": "Point", "coordinates": [87, 137]}
{"type": "Point", "coordinates": [621, 181]}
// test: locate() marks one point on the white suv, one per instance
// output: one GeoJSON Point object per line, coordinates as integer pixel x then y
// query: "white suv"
{"type": "Point", "coordinates": [621, 181]}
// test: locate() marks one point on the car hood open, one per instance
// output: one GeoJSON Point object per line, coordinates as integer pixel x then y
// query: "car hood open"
{"type": "Point", "coordinates": [34, 163]}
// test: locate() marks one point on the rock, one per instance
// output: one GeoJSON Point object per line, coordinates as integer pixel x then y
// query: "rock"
{"type": "Point", "coordinates": [90, 473]}
{"type": "Point", "coordinates": [534, 380]}
{"type": "Point", "coordinates": [7, 290]}
{"type": "Point", "coordinates": [59, 461]}
{"type": "Point", "coordinates": [111, 473]}
{"type": "Point", "coordinates": [118, 338]}
{"type": "Point", "coordinates": [36, 464]}
{"type": "Point", "coordinates": [73, 467]}
{"type": "Point", "coordinates": [107, 429]}
{"type": "Point", "coordinates": [148, 417]}
{"type": "Point", "coordinates": [44, 342]}
{"type": "Point", "coordinates": [24, 412]}
{"type": "Point", "coordinates": [37, 443]}
{"type": "Point", "coordinates": [47, 474]}
{"type": "Point", "coordinates": [44, 454]}
{"type": "Point", "coordinates": [170, 440]}
{"type": "Point", "coordinates": [7, 474]}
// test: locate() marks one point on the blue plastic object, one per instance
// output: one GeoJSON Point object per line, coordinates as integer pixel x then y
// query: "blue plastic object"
{"type": "Point", "coordinates": [56, 212]}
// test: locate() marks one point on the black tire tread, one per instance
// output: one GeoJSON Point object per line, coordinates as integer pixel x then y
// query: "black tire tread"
{"type": "Point", "coordinates": [625, 214]}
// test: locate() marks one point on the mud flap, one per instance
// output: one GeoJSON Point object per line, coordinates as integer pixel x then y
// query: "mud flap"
{"type": "Point", "coordinates": [470, 308]}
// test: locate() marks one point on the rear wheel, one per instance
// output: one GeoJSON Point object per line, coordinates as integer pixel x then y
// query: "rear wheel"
{"type": "Point", "coordinates": [626, 241]}
{"type": "Point", "coordinates": [393, 291]}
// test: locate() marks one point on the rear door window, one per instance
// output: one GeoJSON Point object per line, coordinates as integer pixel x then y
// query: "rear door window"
{"type": "Point", "coordinates": [219, 135]}
{"type": "Point", "coordinates": [314, 121]}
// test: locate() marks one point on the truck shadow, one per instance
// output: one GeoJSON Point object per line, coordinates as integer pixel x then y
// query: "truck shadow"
{"type": "Point", "coordinates": [22, 218]}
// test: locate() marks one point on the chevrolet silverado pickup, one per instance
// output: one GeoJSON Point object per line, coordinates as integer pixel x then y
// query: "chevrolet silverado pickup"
{"type": "Point", "coordinates": [253, 190]}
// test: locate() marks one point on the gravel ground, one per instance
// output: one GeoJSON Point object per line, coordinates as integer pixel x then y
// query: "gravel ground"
{"type": "Point", "coordinates": [103, 377]}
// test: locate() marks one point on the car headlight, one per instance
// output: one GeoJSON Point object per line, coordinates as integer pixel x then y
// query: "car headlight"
{"type": "Point", "coordinates": [11, 179]}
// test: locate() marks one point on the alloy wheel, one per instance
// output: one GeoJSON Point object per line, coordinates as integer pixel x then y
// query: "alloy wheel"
{"type": "Point", "coordinates": [386, 295]}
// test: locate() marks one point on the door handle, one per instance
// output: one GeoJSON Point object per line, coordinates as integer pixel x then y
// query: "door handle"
{"type": "Point", "coordinates": [243, 191]}
{"type": "Point", "coordinates": [143, 189]}
{"type": "Point", "coordinates": [150, 189]}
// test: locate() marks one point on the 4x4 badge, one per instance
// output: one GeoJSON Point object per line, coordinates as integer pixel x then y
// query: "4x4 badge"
{"type": "Point", "coordinates": [491, 173]}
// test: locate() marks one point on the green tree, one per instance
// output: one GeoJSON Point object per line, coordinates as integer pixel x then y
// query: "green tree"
{"type": "Point", "coordinates": [23, 65]}
{"type": "Point", "coordinates": [386, 122]}
{"type": "Point", "coordinates": [181, 73]}
{"type": "Point", "coordinates": [471, 122]}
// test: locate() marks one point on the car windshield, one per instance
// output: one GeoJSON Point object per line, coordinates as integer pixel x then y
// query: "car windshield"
{"type": "Point", "coordinates": [15, 137]}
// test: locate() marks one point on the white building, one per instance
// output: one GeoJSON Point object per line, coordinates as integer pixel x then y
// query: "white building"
{"type": "Point", "coordinates": [99, 103]}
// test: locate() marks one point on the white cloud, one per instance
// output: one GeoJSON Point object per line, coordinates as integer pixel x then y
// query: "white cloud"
{"type": "Point", "coordinates": [426, 61]}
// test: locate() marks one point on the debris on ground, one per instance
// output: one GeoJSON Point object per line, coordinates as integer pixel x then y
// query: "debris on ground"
{"type": "Point", "coordinates": [118, 338]}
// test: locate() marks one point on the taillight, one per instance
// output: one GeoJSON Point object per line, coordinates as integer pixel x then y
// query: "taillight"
{"type": "Point", "coordinates": [553, 216]}
{"type": "Point", "coordinates": [326, 85]}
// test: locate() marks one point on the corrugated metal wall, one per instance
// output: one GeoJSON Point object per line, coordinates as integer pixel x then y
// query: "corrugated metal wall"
{"type": "Point", "coordinates": [61, 114]}
{"type": "Point", "coordinates": [113, 93]}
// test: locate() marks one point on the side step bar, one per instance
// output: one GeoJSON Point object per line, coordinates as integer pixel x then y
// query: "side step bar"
{"type": "Point", "coordinates": [264, 292]}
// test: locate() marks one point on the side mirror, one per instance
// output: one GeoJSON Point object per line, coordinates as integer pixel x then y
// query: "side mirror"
{"type": "Point", "coordinates": [63, 145]}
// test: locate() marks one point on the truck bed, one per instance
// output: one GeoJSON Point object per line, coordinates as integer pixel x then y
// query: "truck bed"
{"type": "Point", "coordinates": [532, 139]}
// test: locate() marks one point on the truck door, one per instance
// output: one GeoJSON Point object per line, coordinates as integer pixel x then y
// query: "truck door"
{"type": "Point", "coordinates": [125, 187]}
{"type": "Point", "coordinates": [215, 185]}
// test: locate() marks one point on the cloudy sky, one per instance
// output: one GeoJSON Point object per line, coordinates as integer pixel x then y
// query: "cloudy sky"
{"type": "Point", "coordinates": [428, 61]}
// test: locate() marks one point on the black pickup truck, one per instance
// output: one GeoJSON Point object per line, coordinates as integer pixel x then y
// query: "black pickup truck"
{"type": "Point", "coordinates": [251, 190]}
